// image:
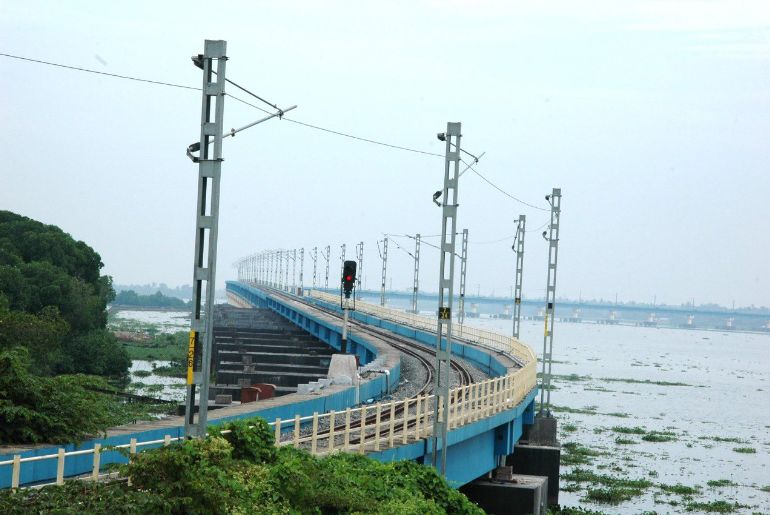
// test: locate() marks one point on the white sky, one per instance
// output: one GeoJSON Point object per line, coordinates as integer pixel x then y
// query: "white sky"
{"type": "Point", "coordinates": [653, 117]}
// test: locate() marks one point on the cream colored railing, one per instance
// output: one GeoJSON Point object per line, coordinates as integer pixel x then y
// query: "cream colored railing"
{"type": "Point", "coordinates": [480, 337]}
{"type": "Point", "coordinates": [394, 423]}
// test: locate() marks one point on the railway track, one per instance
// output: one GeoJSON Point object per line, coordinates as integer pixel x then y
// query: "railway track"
{"type": "Point", "coordinates": [404, 345]}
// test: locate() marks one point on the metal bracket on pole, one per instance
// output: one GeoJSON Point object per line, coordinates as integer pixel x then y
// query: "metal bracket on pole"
{"type": "Point", "coordinates": [206, 233]}
{"type": "Point", "coordinates": [445, 293]}
{"type": "Point", "coordinates": [552, 237]}
{"type": "Point", "coordinates": [463, 267]}
{"type": "Point", "coordinates": [518, 247]}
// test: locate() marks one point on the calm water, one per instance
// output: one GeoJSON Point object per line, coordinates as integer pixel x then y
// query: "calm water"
{"type": "Point", "coordinates": [162, 321]}
{"type": "Point", "coordinates": [727, 395]}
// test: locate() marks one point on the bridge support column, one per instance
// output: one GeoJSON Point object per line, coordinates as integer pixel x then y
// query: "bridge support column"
{"type": "Point", "coordinates": [538, 453]}
{"type": "Point", "coordinates": [515, 495]}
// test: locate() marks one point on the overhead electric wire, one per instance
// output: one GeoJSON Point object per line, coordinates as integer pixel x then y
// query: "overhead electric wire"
{"type": "Point", "coordinates": [309, 125]}
{"type": "Point", "coordinates": [367, 140]}
{"type": "Point", "coordinates": [88, 70]}
{"type": "Point", "coordinates": [498, 188]}
{"type": "Point", "coordinates": [402, 248]}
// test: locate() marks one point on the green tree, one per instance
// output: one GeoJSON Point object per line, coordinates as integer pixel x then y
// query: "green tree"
{"type": "Point", "coordinates": [42, 334]}
{"type": "Point", "coordinates": [59, 409]}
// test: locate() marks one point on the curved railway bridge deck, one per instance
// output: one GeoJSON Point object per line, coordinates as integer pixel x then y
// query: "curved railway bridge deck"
{"type": "Point", "coordinates": [486, 417]}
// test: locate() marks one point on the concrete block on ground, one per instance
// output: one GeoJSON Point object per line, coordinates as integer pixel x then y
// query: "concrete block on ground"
{"type": "Point", "coordinates": [343, 365]}
{"type": "Point", "coordinates": [522, 494]}
{"type": "Point", "coordinates": [304, 389]}
{"type": "Point", "coordinates": [223, 399]}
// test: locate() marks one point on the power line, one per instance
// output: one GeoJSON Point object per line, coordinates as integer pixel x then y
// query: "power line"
{"type": "Point", "coordinates": [304, 124]}
{"type": "Point", "coordinates": [88, 70]}
{"type": "Point", "coordinates": [127, 77]}
{"type": "Point", "coordinates": [309, 125]}
{"type": "Point", "coordinates": [402, 248]}
{"type": "Point", "coordinates": [359, 138]}
{"type": "Point", "coordinates": [498, 188]}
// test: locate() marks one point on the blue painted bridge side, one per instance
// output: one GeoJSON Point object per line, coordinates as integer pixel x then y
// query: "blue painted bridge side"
{"type": "Point", "coordinates": [473, 447]}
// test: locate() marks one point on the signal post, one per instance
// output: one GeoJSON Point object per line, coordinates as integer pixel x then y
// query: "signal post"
{"type": "Point", "coordinates": [348, 285]}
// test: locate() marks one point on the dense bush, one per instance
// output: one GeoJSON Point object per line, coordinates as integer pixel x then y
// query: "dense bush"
{"type": "Point", "coordinates": [57, 409]}
{"type": "Point", "coordinates": [243, 473]}
{"type": "Point", "coordinates": [53, 322]}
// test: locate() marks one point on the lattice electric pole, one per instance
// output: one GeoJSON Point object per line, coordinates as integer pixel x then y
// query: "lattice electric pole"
{"type": "Point", "coordinates": [314, 257]}
{"type": "Point", "coordinates": [328, 257]}
{"type": "Point", "coordinates": [342, 258]}
{"type": "Point", "coordinates": [301, 271]}
{"type": "Point", "coordinates": [360, 272]}
{"type": "Point", "coordinates": [552, 237]}
{"type": "Point", "coordinates": [286, 257]}
{"type": "Point", "coordinates": [206, 233]}
{"type": "Point", "coordinates": [279, 277]}
{"type": "Point", "coordinates": [269, 269]}
{"type": "Point", "coordinates": [384, 257]}
{"type": "Point", "coordinates": [463, 268]}
{"type": "Point", "coordinates": [416, 285]}
{"type": "Point", "coordinates": [445, 294]}
{"type": "Point", "coordinates": [294, 271]}
{"type": "Point", "coordinates": [518, 247]}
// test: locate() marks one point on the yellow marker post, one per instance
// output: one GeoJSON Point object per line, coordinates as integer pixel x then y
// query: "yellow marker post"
{"type": "Point", "coordinates": [191, 356]}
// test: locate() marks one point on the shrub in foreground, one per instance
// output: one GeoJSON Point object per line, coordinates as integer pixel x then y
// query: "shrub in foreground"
{"type": "Point", "coordinates": [242, 472]}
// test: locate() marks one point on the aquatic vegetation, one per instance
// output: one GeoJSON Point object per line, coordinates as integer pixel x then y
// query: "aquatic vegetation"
{"type": "Point", "coordinates": [580, 475]}
{"type": "Point", "coordinates": [659, 436]}
{"type": "Point", "coordinates": [745, 450]}
{"type": "Point", "coordinates": [588, 410]}
{"type": "Point", "coordinates": [643, 381]}
{"type": "Point", "coordinates": [612, 495]}
{"type": "Point", "coordinates": [569, 428]}
{"type": "Point", "coordinates": [714, 483]}
{"type": "Point", "coordinates": [731, 439]}
{"type": "Point", "coordinates": [576, 454]}
{"type": "Point", "coordinates": [715, 506]}
{"type": "Point", "coordinates": [629, 430]}
{"type": "Point", "coordinates": [625, 441]}
{"type": "Point", "coordinates": [679, 489]}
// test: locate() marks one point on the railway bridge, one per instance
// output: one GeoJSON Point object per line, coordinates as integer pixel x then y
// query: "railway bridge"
{"type": "Point", "coordinates": [488, 413]}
